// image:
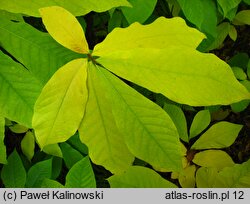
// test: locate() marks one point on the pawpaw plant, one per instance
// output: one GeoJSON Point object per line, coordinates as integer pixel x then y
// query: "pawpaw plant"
{"type": "Point", "coordinates": [80, 106]}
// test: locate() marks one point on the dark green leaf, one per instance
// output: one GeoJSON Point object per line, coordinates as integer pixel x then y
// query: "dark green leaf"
{"type": "Point", "coordinates": [13, 174]}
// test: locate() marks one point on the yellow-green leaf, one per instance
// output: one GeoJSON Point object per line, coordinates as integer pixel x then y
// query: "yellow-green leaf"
{"type": "Point", "coordinates": [237, 176]}
{"type": "Point", "coordinates": [220, 135]}
{"type": "Point", "coordinates": [77, 7]}
{"type": "Point", "coordinates": [213, 158]}
{"type": "Point", "coordinates": [139, 177]}
{"type": "Point", "coordinates": [178, 117]}
{"type": "Point", "coordinates": [187, 177]}
{"type": "Point", "coordinates": [2, 146]}
{"type": "Point", "coordinates": [148, 131]}
{"type": "Point", "coordinates": [205, 177]}
{"type": "Point", "coordinates": [53, 149]}
{"type": "Point", "coordinates": [160, 34]}
{"type": "Point", "coordinates": [17, 128]}
{"type": "Point", "coordinates": [233, 33]}
{"type": "Point", "coordinates": [239, 73]}
{"type": "Point", "coordinates": [199, 123]}
{"type": "Point", "coordinates": [28, 145]}
{"type": "Point", "coordinates": [64, 28]}
{"type": "Point", "coordinates": [99, 125]}
{"type": "Point", "coordinates": [60, 107]}
{"type": "Point", "coordinates": [243, 17]}
{"type": "Point", "coordinates": [180, 73]}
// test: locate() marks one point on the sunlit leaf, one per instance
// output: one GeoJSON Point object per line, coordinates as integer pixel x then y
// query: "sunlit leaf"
{"type": "Point", "coordinates": [77, 7]}
{"type": "Point", "coordinates": [53, 149]}
{"type": "Point", "coordinates": [149, 132]}
{"type": "Point", "coordinates": [64, 28]}
{"type": "Point", "coordinates": [139, 177]}
{"type": "Point", "coordinates": [99, 125]}
{"type": "Point", "coordinates": [204, 77]}
{"type": "Point", "coordinates": [220, 135]}
{"type": "Point", "coordinates": [187, 177]}
{"type": "Point", "coordinates": [160, 34]}
{"type": "Point", "coordinates": [205, 177]}
{"type": "Point", "coordinates": [234, 177]}
{"type": "Point", "coordinates": [66, 90]}
{"type": "Point", "coordinates": [213, 158]}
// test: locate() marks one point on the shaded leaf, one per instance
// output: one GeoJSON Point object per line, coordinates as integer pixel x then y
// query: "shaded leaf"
{"type": "Point", "coordinates": [11, 16]}
{"type": "Point", "coordinates": [115, 20]}
{"type": "Point", "coordinates": [139, 177]}
{"type": "Point", "coordinates": [13, 174]}
{"type": "Point", "coordinates": [179, 120]}
{"type": "Point", "coordinates": [220, 135]}
{"type": "Point", "coordinates": [38, 172]}
{"type": "Point", "coordinates": [48, 183]}
{"type": "Point", "coordinates": [140, 10]}
{"type": "Point", "coordinates": [239, 73]}
{"type": "Point", "coordinates": [239, 60]}
{"type": "Point", "coordinates": [56, 167]}
{"type": "Point", "coordinates": [76, 143]}
{"type": "Point", "coordinates": [28, 145]}
{"type": "Point", "coordinates": [64, 28]}
{"type": "Point", "coordinates": [81, 175]}
{"type": "Point", "coordinates": [52, 121]}
{"type": "Point", "coordinates": [70, 155]}
{"type": "Point", "coordinates": [222, 32]}
{"type": "Point", "coordinates": [233, 33]}
{"type": "Point", "coordinates": [99, 125]}
{"type": "Point", "coordinates": [200, 122]}
{"type": "Point", "coordinates": [201, 13]}
{"type": "Point", "coordinates": [148, 131]}
{"type": "Point", "coordinates": [213, 158]}
{"type": "Point", "coordinates": [2, 145]}
{"type": "Point", "coordinates": [15, 88]}
{"type": "Point", "coordinates": [228, 5]}
{"type": "Point", "coordinates": [34, 49]}
{"type": "Point", "coordinates": [77, 7]}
